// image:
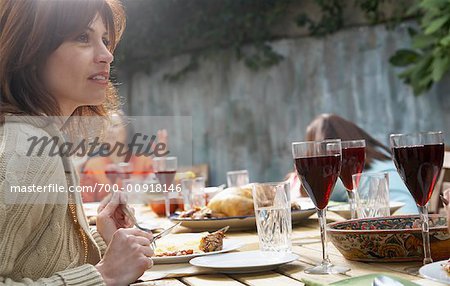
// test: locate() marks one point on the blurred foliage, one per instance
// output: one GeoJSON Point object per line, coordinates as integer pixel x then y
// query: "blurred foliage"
{"type": "Point", "coordinates": [332, 19]}
{"type": "Point", "coordinates": [429, 59]}
{"type": "Point", "coordinates": [160, 29]}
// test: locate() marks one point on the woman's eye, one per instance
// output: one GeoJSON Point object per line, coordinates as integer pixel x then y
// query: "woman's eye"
{"type": "Point", "coordinates": [83, 38]}
{"type": "Point", "coordinates": [106, 42]}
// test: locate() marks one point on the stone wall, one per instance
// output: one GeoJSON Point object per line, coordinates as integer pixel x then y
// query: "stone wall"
{"type": "Point", "coordinates": [247, 120]}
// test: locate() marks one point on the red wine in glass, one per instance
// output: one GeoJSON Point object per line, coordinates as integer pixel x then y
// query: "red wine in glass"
{"type": "Point", "coordinates": [353, 159]}
{"type": "Point", "coordinates": [318, 175]}
{"type": "Point", "coordinates": [419, 167]}
{"type": "Point", "coordinates": [165, 178]}
{"type": "Point", "coordinates": [419, 158]}
{"type": "Point", "coordinates": [318, 164]}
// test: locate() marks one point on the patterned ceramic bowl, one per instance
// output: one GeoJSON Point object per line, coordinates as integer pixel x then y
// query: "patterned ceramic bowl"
{"type": "Point", "coordinates": [395, 238]}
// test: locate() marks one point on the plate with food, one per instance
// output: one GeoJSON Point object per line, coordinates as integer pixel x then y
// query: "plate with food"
{"type": "Point", "coordinates": [234, 207]}
{"type": "Point", "coordinates": [180, 248]}
{"type": "Point", "coordinates": [437, 271]}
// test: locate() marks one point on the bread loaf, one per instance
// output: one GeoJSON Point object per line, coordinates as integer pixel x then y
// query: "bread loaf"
{"type": "Point", "coordinates": [234, 201]}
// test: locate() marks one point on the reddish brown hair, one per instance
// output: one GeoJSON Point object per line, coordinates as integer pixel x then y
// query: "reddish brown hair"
{"type": "Point", "coordinates": [331, 126]}
{"type": "Point", "coordinates": [30, 30]}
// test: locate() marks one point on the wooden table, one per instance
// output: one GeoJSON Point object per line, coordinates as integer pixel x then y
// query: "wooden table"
{"type": "Point", "coordinates": [306, 243]}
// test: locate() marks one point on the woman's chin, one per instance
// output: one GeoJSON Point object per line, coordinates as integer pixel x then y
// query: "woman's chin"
{"type": "Point", "coordinates": [97, 100]}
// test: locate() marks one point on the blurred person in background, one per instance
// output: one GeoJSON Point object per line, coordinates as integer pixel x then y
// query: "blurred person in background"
{"type": "Point", "coordinates": [113, 167]}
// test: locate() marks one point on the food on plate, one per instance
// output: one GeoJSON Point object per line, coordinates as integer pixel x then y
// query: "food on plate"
{"type": "Point", "coordinates": [201, 213]}
{"type": "Point", "coordinates": [177, 245]}
{"type": "Point", "coordinates": [236, 201]}
{"type": "Point", "coordinates": [213, 241]}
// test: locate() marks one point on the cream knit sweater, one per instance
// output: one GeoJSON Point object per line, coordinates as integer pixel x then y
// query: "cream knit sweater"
{"type": "Point", "coordinates": [39, 241]}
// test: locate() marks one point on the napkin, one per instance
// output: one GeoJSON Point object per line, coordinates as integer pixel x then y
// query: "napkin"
{"type": "Point", "coordinates": [365, 280]}
{"type": "Point", "coordinates": [161, 271]}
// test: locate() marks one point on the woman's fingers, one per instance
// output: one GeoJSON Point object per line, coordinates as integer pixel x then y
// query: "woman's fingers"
{"type": "Point", "coordinates": [104, 202]}
{"type": "Point", "coordinates": [138, 232]}
{"type": "Point", "coordinates": [147, 251]}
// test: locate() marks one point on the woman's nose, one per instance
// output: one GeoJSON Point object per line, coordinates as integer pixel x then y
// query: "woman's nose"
{"type": "Point", "coordinates": [103, 55]}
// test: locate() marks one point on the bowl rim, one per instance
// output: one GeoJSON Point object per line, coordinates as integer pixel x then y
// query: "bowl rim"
{"type": "Point", "coordinates": [375, 231]}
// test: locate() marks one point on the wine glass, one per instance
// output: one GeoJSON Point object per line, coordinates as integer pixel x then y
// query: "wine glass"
{"type": "Point", "coordinates": [418, 158]}
{"type": "Point", "coordinates": [165, 169]}
{"type": "Point", "coordinates": [318, 165]}
{"type": "Point", "coordinates": [353, 159]}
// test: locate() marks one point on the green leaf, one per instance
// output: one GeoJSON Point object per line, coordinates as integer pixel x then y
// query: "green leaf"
{"type": "Point", "coordinates": [436, 24]}
{"type": "Point", "coordinates": [434, 5]}
{"type": "Point", "coordinates": [440, 67]}
{"type": "Point", "coordinates": [445, 41]}
{"type": "Point", "coordinates": [404, 58]}
{"type": "Point", "coordinates": [422, 41]}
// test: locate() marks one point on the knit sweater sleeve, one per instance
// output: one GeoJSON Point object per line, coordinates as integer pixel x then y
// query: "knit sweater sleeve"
{"type": "Point", "coordinates": [100, 241]}
{"type": "Point", "coordinates": [23, 215]}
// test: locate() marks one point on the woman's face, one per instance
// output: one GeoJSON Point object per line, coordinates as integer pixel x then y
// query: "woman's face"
{"type": "Point", "coordinates": [77, 72]}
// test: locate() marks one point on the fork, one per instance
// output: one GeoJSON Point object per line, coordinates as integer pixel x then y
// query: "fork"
{"type": "Point", "coordinates": [130, 215]}
{"type": "Point", "coordinates": [162, 234]}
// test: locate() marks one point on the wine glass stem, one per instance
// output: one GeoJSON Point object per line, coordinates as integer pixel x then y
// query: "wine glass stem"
{"type": "Point", "coordinates": [323, 234]}
{"type": "Point", "coordinates": [167, 203]}
{"type": "Point", "coordinates": [425, 235]}
{"type": "Point", "coordinates": [352, 203]}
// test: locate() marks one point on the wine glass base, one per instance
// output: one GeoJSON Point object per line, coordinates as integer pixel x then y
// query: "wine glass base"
{"type": "Point", "coordinates": [327, 269]}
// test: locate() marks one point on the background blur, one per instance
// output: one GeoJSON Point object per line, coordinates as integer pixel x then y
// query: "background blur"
{"type": "Point", "coordinates": [252, 74]}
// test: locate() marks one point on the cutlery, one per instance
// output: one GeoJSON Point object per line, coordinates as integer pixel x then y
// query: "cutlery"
{"type": "Point", "coordinates": [385, 281]}
{"type": "Point", "coordinates": [130, 215]}
{"type": "Point", "coordinates": [162, 234]}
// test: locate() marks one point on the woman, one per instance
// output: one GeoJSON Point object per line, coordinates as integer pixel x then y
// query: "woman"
{"type": "Point", "coordinates": [55, 61]}
{"type": "Point", "coordinates": [378, 158]}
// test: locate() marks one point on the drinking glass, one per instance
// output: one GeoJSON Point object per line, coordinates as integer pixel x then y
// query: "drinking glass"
{"type": "Point", "coordinates": [193, 193]}
{"type": "Point", "coordinates": [318, 165]}
{"type": "Point", "coordinates": [165, 169]}
{"type": "Point", "coordinates": [353, 159]}
{"type": "Point", "coordinates": [237, 178]}
{"type": "Point", "coordinates": [273, 216]}
{"type": "Point", "coordinates": [372, 194]}
{"type": "Point", "coordinates": [418, 158]}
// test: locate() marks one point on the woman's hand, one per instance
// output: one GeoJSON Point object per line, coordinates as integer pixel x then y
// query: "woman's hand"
{"type": "Point", "coordinates": [127, 257]}
{"type": "Point", "coordinates": [111, 216]}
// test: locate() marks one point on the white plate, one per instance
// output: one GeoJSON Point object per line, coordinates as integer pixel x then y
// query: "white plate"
{"type": "Point", "coordinates": [344, 209]}
{"type": "Point", "coordinates": [228, 245]}
{"type": "Point", "coordinates": [434, 271]}
{"type": "Point", "coordinates": [243, 222]}
{"type": "Point", "coordinates": [244, 262]}
{"type": "Point", "coordinates": [235, 223]}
